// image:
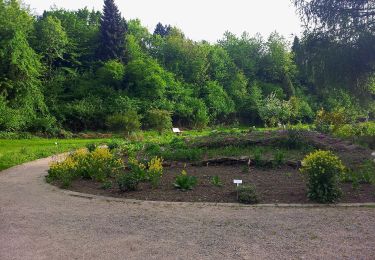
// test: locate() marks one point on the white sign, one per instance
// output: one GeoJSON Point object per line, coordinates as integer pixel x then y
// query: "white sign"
{"type": "Point", "coordinates": [176, 130]}
{"type": "Point", "coordinates": [237, 182]}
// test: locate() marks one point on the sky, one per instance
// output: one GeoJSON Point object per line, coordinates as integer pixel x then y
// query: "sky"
{"type": "Point", "coordinates": [199, 19]}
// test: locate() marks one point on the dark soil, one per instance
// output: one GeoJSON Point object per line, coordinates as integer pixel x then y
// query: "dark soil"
{"type": "Point", "coordinates": [283, 185]}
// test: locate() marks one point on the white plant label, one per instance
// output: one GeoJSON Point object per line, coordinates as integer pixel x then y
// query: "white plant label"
{"type": "Point", "coordinates": [237, 182]}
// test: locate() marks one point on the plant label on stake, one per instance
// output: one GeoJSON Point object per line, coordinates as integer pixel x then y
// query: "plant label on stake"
{"type": "Point", "coordinates": [237, 182]}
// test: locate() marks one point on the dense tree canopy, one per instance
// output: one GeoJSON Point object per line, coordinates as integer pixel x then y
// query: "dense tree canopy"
{"type": "Point", "coordinates": [79, 70]}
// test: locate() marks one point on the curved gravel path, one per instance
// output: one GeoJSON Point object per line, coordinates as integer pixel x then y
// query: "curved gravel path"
{"type": "Point", "coordinates": [39, 221]}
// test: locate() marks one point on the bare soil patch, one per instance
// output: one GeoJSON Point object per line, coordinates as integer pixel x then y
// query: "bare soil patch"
{"type": "Point", "coordinates": [281, 185]}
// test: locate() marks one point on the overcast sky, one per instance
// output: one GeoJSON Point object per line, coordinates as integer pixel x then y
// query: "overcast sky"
{"type": "Point", "coordinates": [199, 19]}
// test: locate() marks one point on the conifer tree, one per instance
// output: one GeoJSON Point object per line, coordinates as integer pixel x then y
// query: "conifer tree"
{"type": "Point", "coordinates": [112, 33]}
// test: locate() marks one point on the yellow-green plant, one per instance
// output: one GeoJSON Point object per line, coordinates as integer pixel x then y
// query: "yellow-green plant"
{"type": "Point", "coordinates": [155, 171]}
{"type": "Point", "coordinates": [97, 165]}
{"type": "Point", "coordinates": [323, 170]}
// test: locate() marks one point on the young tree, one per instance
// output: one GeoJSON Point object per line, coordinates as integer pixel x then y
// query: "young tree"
{"type": "Point", "coordinates": [52, 40]}
{"type": "Point", "coordinates": [112, 33]}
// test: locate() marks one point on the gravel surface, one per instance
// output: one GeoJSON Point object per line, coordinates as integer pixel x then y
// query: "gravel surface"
{"type": "Point", "coordinates": [39, 221]}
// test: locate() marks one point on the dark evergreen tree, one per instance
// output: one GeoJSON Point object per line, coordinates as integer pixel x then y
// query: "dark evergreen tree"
{"type": "Point", "coordinates": [112, 33]}
{"type": "Point", "coordinates": [162, 30]}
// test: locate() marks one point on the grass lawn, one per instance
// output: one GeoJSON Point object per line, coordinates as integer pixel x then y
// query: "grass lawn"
{"type": "Point", "coordinates": [15, 152]}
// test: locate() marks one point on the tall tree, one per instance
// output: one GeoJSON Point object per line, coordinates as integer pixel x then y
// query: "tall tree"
{"type": "Point", "coordinates": [345, 19]}
{"type": "Point", "coordinates": [112, 33]}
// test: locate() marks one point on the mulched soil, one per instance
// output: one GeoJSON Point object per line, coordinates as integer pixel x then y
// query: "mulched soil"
{"type": "Point", "coordinates": [282, 185]}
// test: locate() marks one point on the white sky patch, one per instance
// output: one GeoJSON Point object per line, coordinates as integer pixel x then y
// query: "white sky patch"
{"type": "Point", "coordinates": [199, 19]}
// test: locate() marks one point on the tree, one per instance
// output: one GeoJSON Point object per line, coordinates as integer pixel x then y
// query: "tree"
{"type": "Point", "coordinates": [112, 33]}
{"type": "Point", "coordinates": [162, 30]}
{"type": "Point", "coordinates": [52, 40]}
{"type": "Point", "coordinates": [345, 19]}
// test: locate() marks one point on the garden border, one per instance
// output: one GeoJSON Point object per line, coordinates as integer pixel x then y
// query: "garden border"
{"type": "Point", "coordinates": [202, 204]}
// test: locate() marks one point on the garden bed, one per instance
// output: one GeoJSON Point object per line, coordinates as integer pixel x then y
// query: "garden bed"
{"type": "Point", "coordinates": [279, 185]}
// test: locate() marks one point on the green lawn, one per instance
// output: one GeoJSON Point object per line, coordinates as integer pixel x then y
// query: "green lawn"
{"type": "Point", "coordinates": [15, 152]}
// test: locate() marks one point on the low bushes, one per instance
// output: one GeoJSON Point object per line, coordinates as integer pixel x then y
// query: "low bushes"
{"type": "Point", "coordinates": [97, 165]}
{"type": "Point", "coordinates": [247, 194]}
{"type": "Point", "coordinates": [323, 170]}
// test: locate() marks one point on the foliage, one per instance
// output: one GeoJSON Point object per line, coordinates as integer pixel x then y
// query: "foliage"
{"type": "Point", "coordinates": [97, 165]}
{"type": "Point", "coordinates": [127, 181]}
{"type": "Point", "coordinates": [159, 120]}
{"type": "Point", "coordinates": [28, 148]}
{"type": "Point", "coordinates": [215, 180]}
{"type": "Point", "coordinates": [128, 122]}
{"type": "Point", "coordinates": [323, 170]}
{"type": "Point", "coordinates": [155, 171]}
{"type": "Point", "coordinates": [274, 110]}
{"type": "Point", "coordinates": [247, 194]}
{"type": "Point", "coordinates": [185, 182]}
{"type": "Point", "coordinates": [112, 33]}
{"type": "Point", "coordinates": [329, 121]}
{"type": "Point", "coordinates": [365, 173]}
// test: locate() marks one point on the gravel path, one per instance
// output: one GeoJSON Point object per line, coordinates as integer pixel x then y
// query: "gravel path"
{"type": "Point", "coordinates": [39, 221]}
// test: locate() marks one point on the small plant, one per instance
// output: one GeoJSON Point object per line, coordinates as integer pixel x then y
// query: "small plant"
{"type": "Point", "coordinates": [106, 185]}
{"type": "Point", "coordinates": [138, 169]}
{"type": "Point", "coordinates": [247, 194]}
{"type": "Point", "coordinates": [216, 181]}
{"type": "Point", "coordinates": [185, 182]}
{"type": "Point", "coordinates": [323, 170]}
{"type": "Point", "coordinates": [128, 181]}
{"type": "Point", "coordinates": [279, 158]}
{"type": "Point", "coordinates": [155, 171]}
{"type": "Point", "coordinates": [257, 159]}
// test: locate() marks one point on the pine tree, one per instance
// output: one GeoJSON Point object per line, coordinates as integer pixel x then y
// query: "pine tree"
{"type": "Point", "coordinates": [112, 33]}
{"type": "Point", "coordinates": [161, 30]}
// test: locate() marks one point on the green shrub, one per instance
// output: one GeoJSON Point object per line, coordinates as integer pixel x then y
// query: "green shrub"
{"type": "Point", "coordinates": [159, 120]}
{"type": "Point", "coordinates": [115, 144]}
{"type": "Point", "coordinates": [329, 121]}
{"type": "Point", "coordinates": [128, 181]}
{"type": "Point", "coordinates": [91, 147]}
{"type": "Point", "coordinates": [128, 122]}
{"type": "Point", "coordinates": [216, 181]}
{"type": "Point", "coordinates": [98, 165]}
{"type": "Point", "coordinates": [247, 194]}
{"type": "Point", "coordinates": [323, 170]}
{"type": "Point", "coordinates": [185, 182]}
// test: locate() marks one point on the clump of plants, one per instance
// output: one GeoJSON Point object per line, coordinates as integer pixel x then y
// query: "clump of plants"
{"type": "Point", "coordinates": [185, 182]}
{"type": "Point", "coordinates": [365, 173]}
{"type": "Point", "coordinates": [151, 171]}
{"type": "Point", "coordinates": [215, 180]}
{"type": "Point", "coordinates": [324, 171]}
{"type": "Point", "coordinates": [128, 181]}
{"type": "Point", "coordinates": [98, 165]}
{"type": "Point", "coordinates": [247, 194]}
{"type": "Point", "coordinates": [329, 121]}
